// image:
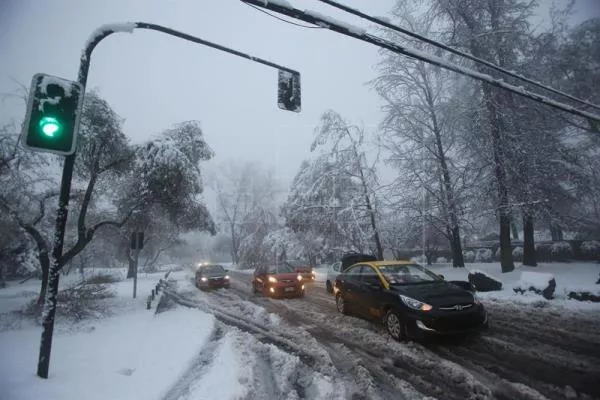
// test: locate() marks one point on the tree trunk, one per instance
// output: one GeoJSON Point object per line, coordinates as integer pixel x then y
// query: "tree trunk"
{"type": "Point", "coordinates": [515, 231]}
{"type": "Point", "coordinates": [529, 257]}
{"type": "Point", "coordinates": [556, 233]}
{"type": "Point", "coordinates": [506, 260]}
{"type": "Point", "coordinates": [2, 276]}
{"type": "Point", "coordinates": [458, 260]}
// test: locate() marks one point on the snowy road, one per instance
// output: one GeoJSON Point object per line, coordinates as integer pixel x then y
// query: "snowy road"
{"type": "Point", "coordinates": [528, 353]}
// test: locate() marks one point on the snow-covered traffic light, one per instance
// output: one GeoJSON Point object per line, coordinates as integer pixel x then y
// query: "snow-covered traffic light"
{"type": "Point", "coordinates": [52, 118]}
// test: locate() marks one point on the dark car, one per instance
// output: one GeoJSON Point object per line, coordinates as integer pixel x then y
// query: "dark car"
{"type": "Point", "coordinates": [301, 267]}
{"type": "Point", "coordinates": [212, 276]}
{"type": "Point", "coordinates": [410, 300]}
{"type": "Point", "coordinates": [277, 280]}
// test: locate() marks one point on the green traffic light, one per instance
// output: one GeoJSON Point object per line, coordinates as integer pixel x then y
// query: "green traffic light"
{"type": "Point", "coordinates": [49, 126]}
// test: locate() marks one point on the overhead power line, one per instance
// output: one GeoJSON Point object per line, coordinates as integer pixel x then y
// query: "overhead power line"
{"type": "Point", "coordinates": [455, 51]}
{"type": "Point", "coordinates": [315, 18]}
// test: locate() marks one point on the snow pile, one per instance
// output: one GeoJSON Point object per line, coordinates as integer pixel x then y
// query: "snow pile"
{"type": "Point", "coordinates": [568, 275]}
{"type": "Point", "coordinates": [127, 357]}
{"type": "Point", "coordinates": [536, 282]}
{"type": "Point", "coordinates": [591, 248]}
{"type": "Point", "coordinates": [583, 293]}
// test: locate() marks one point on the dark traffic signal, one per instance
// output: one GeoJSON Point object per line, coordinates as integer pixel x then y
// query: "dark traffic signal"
{"type": "Point", "coordinates": [52, 118]}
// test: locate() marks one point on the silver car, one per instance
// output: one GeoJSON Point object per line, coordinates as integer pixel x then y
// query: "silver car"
{"type": "Point", "coordinates": [332, 272]}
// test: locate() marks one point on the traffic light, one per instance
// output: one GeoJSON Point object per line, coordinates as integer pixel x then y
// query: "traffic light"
{"type": "Point", "coordinates": [288, 91]}
{"type": "Point", "coordinates": [52, 118]}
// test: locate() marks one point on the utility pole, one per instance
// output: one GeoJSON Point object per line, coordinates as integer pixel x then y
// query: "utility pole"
{"type": "Point", "coordinates": [288, 98]}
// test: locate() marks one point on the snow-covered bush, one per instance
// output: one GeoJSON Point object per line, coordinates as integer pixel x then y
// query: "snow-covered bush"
{"type": "Point", "coordinates": [419, 259]}
{"type": "Point", "coordinates": [562, 251]}
{"type": "Point", "coordinates": [537, 282]}
{"type": "Point", "coordinates": [469, 256]}
{"type": "Point", "coordinates": [483, 255]}
{"type": "Point", "coordinates": [583, 293]}
{"type": "Point", "coordinates": [441, 260]}
{"type": "Point", "coordinates": [591, 249]}
{"type": "Point", "coordinates": [76, 303]}
{"type": "Point", "coordinates": [517, 253]}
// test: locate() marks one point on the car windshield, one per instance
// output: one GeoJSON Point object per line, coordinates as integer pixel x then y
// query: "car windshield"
{"type": "Point", "coordinates": [297, 263]}
{"type": "Point", "coordinates": [407, 274]}
{"type": "Point", "coordinates": [213, 270]}
{"type": "Point", "coordinates": [280, 269]}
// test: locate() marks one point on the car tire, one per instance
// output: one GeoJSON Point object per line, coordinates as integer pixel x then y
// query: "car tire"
{"type": "Point", "coordinates": [329, 287]}
{"type": "Point", "coordinates": [394, 325]}
{"type": "Point", "coordinates": [340, 304]}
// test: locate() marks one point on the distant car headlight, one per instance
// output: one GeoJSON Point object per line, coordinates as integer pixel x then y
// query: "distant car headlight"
{"type": "Point", "coordinates": [272, 279]}
{"type": "Point", "coordinates": [415, 304]}
{"type": "Point", "coordinates": [227, 277]}
{"type": "Point", "coordinates": [299, 277]}
{"type": "Point", "coordinates": [204, 279]}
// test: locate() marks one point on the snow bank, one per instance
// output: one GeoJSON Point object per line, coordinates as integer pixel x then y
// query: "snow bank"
{"type": "Point", "coordinates": [567, 275]}
{"type": "Point", "coordinates": [133, 356]}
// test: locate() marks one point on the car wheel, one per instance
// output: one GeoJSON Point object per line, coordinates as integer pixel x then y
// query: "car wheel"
{"type": "Point", "coordinates": [340, 303]}
{"type": "Point", "coordinates": [394, 325]}
{"type": "Point", "coordinates": [329, 287]}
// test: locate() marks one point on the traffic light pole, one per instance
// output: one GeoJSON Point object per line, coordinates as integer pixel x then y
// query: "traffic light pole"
{"type": "Point", "coordinates": [49, 313]}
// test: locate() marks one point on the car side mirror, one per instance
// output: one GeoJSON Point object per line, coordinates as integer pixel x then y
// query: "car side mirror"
{"type": "Point", "coordinates": [441, 276]}
{"type": "Point", "coordinates": [226, 270]}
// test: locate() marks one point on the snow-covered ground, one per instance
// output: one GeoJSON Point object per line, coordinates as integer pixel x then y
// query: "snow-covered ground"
{"type": "Point", "coordinates": [133, 353]}
{"type": "Point", "coordinates": [567, 275]}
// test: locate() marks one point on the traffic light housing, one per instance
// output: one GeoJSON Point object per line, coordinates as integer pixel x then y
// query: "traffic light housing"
{"type": "Point", "coordinates": [52, 118]}
{"type": "Point", "coordinates": [288, 91]}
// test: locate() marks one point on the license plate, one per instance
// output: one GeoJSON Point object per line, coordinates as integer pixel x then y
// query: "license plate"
{"type": "Point", "coordinates": [289, 289]}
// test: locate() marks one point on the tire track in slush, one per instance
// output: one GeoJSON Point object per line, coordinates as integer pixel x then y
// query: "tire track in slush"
{"type": "Point", "coordinates": [363, 378]}
{"type": "Point", "coordinates": [520, 367]}
{"type": "Point", "coordinates": [181, 389]}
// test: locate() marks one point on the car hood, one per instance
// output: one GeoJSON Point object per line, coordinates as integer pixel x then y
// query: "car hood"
{"type": "Point", "coordinates": [435, 293]}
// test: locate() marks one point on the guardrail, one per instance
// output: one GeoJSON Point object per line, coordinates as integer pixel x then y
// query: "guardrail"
{"type": "Point", "coordinates": [158, 290]}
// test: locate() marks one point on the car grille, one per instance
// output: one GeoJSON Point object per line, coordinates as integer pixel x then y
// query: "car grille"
{"type": "Point", "coordinates": [286, 281]}
{"type": "Point", "coordinates": [215, 280]}
{"type": "Point", "coordinates": [456, 307]}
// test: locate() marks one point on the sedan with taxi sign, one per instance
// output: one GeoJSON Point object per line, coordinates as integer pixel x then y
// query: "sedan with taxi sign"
{"type": "Point", "coordinates": [409, 299]}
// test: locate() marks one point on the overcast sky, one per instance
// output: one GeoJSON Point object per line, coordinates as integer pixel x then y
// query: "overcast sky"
{"type": "Point", "coordinates": [154, 81]}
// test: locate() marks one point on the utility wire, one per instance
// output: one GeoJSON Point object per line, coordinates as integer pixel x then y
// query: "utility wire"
{"type": "Point", "coordinates": [281, 19]}
{"type": "Point", "coordinates": [315, 18]}
{"type": "Point", "coordinates": [454, 51]}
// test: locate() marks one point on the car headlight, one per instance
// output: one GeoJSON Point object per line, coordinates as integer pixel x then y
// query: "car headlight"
{"type": "Point", "coordinates": [227, 277]}
{"type": "Point", "coordinates": [299, 277]}
{"type": "Point", "coordinates": [272, 279]}
{"type": "Point", "coordinates": [204, 279]}
{"type": "Point", "coordinates": [415, 304]}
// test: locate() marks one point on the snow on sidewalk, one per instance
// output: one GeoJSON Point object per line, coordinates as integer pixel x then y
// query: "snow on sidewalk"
{"type": "Point", "coordinates": [133, 356]}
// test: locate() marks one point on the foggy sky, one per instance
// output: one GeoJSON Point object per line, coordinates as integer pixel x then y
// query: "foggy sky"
{"type": "Point", "coordinates": [154, 81]}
